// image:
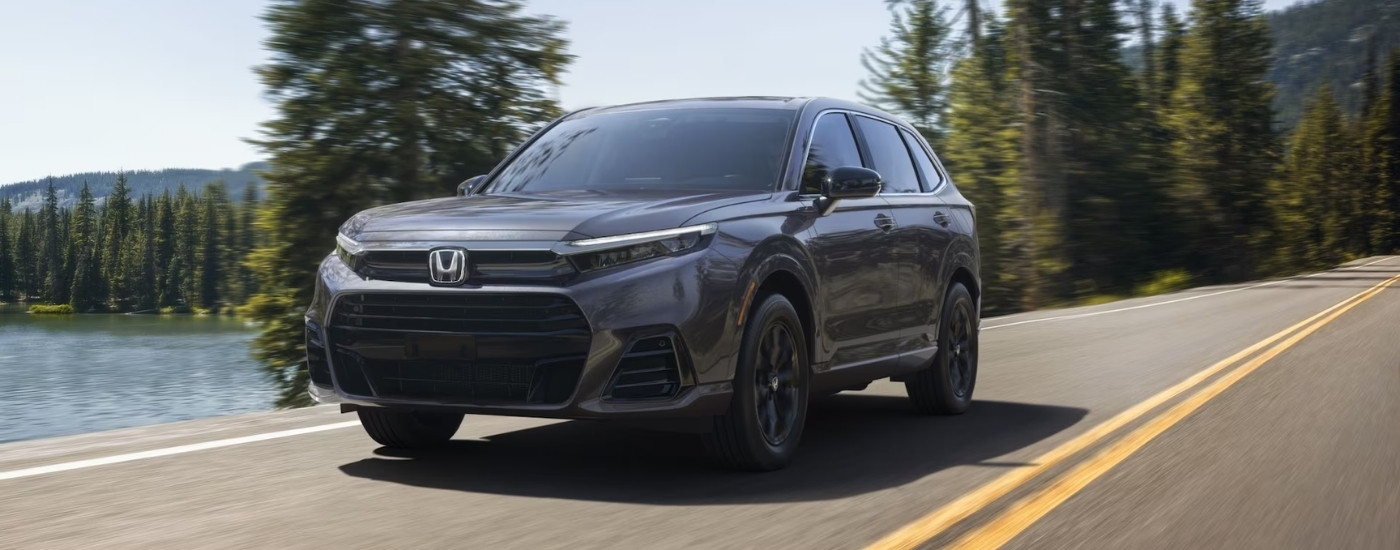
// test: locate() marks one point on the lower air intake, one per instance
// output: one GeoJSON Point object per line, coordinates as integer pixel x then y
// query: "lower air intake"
{"type": "Point", "coordinates": [649, 370]}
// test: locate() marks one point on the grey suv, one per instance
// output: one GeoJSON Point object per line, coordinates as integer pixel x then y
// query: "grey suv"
{"type": "Point", "coordinates": [705, 261]}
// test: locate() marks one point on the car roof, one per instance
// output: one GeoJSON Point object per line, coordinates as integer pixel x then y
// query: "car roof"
{"type": "Point", "coordinates": [740, 102]}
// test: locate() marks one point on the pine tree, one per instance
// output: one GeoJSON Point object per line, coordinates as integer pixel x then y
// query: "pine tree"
{"type": "Point", "coordinates": [1305, 196]}
{"type": "Point", "coordinates": [116, 222]}
{"type": "Point", "coordinates": [1382, 158]}
{"type": "Point", "coordinates": [1147, 41]}
{"type": "Point", "coordinates": [27, 246]}
{"type": "Point", "coordinates": [167, 267]}
{"type": "Point", "coordinates": [146, 281]}
{"type": "Point", "coordinates": [186, 264]}
{"type": "Point", "coordinates": [215, 204]}
{"type": "Point", "coordinates": [7, 260]}
{"type": "Point", "coordinates": [448, 86]}
{"type": "Point", "coordinates": [86, 293]}
{"type": "Point", "coordinates": [981, 150]}
{"type": "Point", "coordinates": [908, 69]}
{"type": "Point", "coordinates": [51, 255]}
{"type": "Point", "coordinates": [1112, 199]}
{"type": "Point", "coordinates": [244, 243]}
{"type": "Point", "coordinates": [1037, 62]}
{"type": "Point", "coordinates": [1225, 147]}
{"type": "Point", "coordinates": [1169, 56]}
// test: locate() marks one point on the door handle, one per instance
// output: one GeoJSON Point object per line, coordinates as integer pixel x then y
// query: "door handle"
{"type": "Point", "coordinates": [940, 218]}
{"type": "Point", "coordinates": [885, 223]}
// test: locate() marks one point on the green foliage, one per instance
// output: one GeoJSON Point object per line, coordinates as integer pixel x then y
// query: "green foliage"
{"type": "Point", "coordinates": [1169, 56]}
{"type": "Point", "coordinates": [1381, 157]}
{"type": "Point", "coordinates": [907, 70]}
{"type": "Point", "coordinates": [1085, 201]}
{"type": "Point", "coordinates": [1225, 148]}
{"type": "Point", "coordinates": [83, 262]}
{"type": "Point", "coordinates": [111, 255]}
{"type": "Point", "coordinates": [381, 103]}
{"type": "Point", "coordinates": [57, 309]}
{"type": "Point", "coordinates": [1162, 282]}
{"type": "Point", "coordinates": [7, 259]}
{"type": "Point", "coordinates": [981, 151]}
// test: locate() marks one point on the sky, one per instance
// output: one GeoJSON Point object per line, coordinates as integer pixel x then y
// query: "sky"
{"type": "Point", "coordinates": [99, 85]}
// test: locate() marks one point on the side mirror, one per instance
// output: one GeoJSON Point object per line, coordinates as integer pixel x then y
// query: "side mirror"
{"type": "Point", "coordinates": [467, 187]}
{"type": "Point", "coordinates": [848, 182]}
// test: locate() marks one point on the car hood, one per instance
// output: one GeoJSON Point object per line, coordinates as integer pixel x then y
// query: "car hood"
{"type": "Point", "coordinates": [557, 215]}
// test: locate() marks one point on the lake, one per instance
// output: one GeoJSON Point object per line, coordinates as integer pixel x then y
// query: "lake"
{"type": "Point", "coordinates": [68, 374]}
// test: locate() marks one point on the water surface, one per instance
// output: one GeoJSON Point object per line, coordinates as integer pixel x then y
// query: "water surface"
{"type": "Point", "coordinates": [67, 374]}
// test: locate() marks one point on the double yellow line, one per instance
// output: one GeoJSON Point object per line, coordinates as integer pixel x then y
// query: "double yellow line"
{"type": "Point", "coordinates": [1022, 514]}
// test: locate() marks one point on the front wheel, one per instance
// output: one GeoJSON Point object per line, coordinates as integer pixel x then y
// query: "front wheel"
{"type": "Point", "coordinates": [409, 429]}
{"type": "Point", "coordinates": [768, 409]}
{"type": "Point", "coordinates": [945, 386]}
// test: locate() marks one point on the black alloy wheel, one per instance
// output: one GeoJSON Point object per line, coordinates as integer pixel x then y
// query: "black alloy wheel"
{"type": "Point", "coordinates": [946, 385]}
{"type": "Point", "coordinates": [775, 374]}
{"type": "Point", "coordinates": [961, 352]}
{"type": "Point", "coordinates": [768, 409]}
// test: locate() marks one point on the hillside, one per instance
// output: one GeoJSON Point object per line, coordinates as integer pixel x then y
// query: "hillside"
{"type": "Point", "coordinates": [1322, 39]}
{"type": "Point", "coordinates": [29, 194]}
{"type": "Point", "coordinates": [1328, 41]}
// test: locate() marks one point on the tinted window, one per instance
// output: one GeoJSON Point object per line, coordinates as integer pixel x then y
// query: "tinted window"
{"type": "Point", "coordinates": [890, 156]}
{"type": "Point", "coordinates": [666, 148]}
{"type": "Point", "coordinates": [931, 176]}
{"type": "Point", "coordinates": [833, 146]}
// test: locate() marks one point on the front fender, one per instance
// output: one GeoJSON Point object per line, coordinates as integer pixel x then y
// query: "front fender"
{"type": "Point", "coordinates": [777, 254]}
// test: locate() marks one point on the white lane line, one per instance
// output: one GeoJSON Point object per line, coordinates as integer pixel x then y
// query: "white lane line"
{"type": "Point", "coordinates": [128, 457]}
{"type": "Point", "coordinates": [1178, 300]}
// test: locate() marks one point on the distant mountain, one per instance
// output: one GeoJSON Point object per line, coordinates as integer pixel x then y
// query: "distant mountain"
{"type": "Point", "coordinates": [30, 194]}
{"type": "Point", "coordinates": [1322, 40]}
{"type": "Point", "coordinates": [1327, 41]}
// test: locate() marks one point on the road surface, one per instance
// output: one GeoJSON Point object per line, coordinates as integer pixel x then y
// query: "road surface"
{"type": "Point", "coordinates": [1253, 416]}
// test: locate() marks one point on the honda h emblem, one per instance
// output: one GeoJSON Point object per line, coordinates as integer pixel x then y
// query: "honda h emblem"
{"type": "Point", "coordinates": [447, 266]}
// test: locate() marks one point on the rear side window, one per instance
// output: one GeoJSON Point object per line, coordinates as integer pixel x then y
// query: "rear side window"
{"type": "Point", "coordinates": [931, 176]}
{"type": "Point", "coordinates": [833, 146]}
{"type": "Point", "coordinates": [890, 155]}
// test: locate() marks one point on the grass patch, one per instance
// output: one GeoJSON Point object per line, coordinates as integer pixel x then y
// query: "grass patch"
{"type": "Point", "coordinates": [1163, 282]}
{"type": "Point", "coordinates": [51, 309]}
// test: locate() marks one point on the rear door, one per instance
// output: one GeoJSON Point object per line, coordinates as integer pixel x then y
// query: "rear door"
{"type": "Point", "coordinates": [921, 236]}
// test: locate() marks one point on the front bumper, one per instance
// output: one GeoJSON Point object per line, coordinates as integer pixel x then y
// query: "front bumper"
{"type": "Point", "coordinates": [684, 299]}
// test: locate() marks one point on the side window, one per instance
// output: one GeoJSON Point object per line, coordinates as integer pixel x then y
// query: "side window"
{"type": "Point", "coordinates": [833, 146]}
{"type": "Point", "coordinates": [932, 177]}
{"type": "Point", "coordinates": [890, 155]}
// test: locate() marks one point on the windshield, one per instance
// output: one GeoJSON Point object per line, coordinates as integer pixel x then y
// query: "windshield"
{"type": "Point", "coordinates": [709, 149]}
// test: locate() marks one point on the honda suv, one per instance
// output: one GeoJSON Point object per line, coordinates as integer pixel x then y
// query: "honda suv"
{"type": "Point", "coordinates": [708, 261]}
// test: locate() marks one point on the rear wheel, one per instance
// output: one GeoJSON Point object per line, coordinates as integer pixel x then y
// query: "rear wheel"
{"type": "Point", "coordinates": [409, 429]}
{"type": "Point", "coordinates": [945, 386]}
{"type": "Point", "coordinates": [768, 409]}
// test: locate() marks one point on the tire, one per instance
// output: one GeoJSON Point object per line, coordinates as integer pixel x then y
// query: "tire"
{"type": "Point", "coordinates": [768, 410]}
{"type": "Point", "coordinates": [409, 429]}
{"type": "Point", "coordinates": [945, 386]}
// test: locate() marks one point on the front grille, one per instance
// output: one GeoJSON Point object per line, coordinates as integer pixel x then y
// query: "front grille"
{"type": "Point", "coordinates": [459, 348]}
{"type": "Point", "coordinates": [484, 265]}
{"type": "Point", "coordinates": [648, 370]}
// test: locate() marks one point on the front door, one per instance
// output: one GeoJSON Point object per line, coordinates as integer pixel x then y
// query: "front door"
{"type": "Point", "coordinates": [851, 250]}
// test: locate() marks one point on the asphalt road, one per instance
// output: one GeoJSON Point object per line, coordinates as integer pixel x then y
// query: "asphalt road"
{"type": "Point", "coordinates": [1136, 424]}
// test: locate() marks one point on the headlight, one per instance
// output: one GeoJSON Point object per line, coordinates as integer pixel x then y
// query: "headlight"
{"type": "Point", "coordinates": [347, 250]}
{"type": "Point", "coordinates": [592, 254]}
